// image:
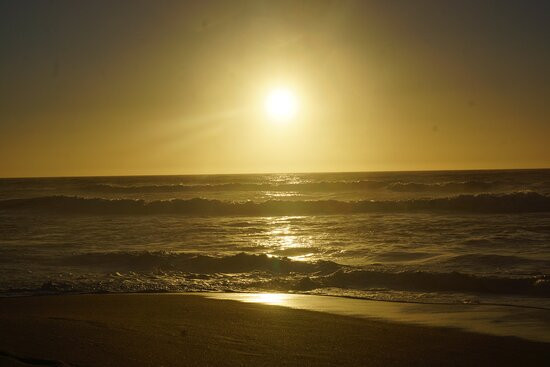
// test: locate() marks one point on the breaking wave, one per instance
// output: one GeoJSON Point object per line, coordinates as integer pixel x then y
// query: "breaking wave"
{"type": "Point", "coordinates": [518, 202]}
{"type": "Point", "coordinates": [446, 187]}
{"type": "Point", "coordinates": [173, 272]}
{"type": "Point", "coordinates": [323, 186]}
{"type": "Point", "coordinates": [238, 186]}
{"type": "Point", "coordinates": [197, 263]}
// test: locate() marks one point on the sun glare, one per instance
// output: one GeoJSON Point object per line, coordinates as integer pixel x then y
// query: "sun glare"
{"type": "Point", "coordinates": [269, 298]}
{"type": "Point", "coordinates": [281, 105]}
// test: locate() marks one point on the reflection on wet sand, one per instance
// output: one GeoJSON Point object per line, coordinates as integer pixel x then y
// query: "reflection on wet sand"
{"type": "Point", "coordinates": [523, 322]}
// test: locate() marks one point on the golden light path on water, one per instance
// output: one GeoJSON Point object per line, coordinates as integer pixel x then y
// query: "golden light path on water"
{"type": "Point", "coordinates": [283, 242]}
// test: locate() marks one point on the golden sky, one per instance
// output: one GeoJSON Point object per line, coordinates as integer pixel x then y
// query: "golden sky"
{"type": "Point", "coordinates": [128, 88]}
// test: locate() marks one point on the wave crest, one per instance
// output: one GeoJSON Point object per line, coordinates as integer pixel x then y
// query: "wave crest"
{"type": "Point", "coordinates": [173, 272]}
{"type": "Point", "coordinates": [196, 263]}
{"type": "Point", "coordinates": [518, 202]}
{"type": "Point", "coordinates": [446, 187]}
{"type": "Point", "coordinates": [322, 186]}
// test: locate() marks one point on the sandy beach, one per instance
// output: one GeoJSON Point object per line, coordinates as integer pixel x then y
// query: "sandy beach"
{"type": "Point", "coordinates": [191, 330]}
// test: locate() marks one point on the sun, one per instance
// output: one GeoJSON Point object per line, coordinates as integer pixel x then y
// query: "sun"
{"type": "Point", "coordinates": [281, 105]}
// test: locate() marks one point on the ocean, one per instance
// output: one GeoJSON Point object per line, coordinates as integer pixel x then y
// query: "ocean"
{"type": "Point", "coordinates": [458, 237]}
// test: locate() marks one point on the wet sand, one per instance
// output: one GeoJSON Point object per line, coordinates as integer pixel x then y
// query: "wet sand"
{"type": "Point", "coordinates": [189, 330]}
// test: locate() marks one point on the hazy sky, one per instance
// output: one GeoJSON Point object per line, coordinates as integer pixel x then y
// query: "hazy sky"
{"type": "Point", "coordinates": [157, 87]}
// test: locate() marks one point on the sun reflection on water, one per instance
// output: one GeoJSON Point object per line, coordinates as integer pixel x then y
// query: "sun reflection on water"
{"type": "Point", "coordinates": [280, 299]}
{"type": "Point", "coordinates": [283, 240]}
{"type": "Point", "coordinates": [304, 257]}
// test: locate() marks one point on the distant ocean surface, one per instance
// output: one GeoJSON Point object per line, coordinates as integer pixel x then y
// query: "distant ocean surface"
{"type": "Point", "coordinates": [441, 237]}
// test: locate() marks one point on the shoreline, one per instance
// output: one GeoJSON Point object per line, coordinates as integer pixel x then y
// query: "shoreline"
{"type": "Point", "coordinates": [193, 330]}
{"type": "Point", "coordinates": [526, 322]}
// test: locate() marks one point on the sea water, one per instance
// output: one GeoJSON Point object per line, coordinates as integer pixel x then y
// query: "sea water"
{"type": "Point", "coordinates": [458, 237]}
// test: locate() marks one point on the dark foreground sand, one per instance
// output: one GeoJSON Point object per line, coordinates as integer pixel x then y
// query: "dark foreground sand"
{"type": "Point", "coordinates": [184, 330]}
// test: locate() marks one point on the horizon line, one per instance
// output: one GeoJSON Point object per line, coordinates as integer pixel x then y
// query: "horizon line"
{"type": "Point", "coordinates": [280, 173]}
